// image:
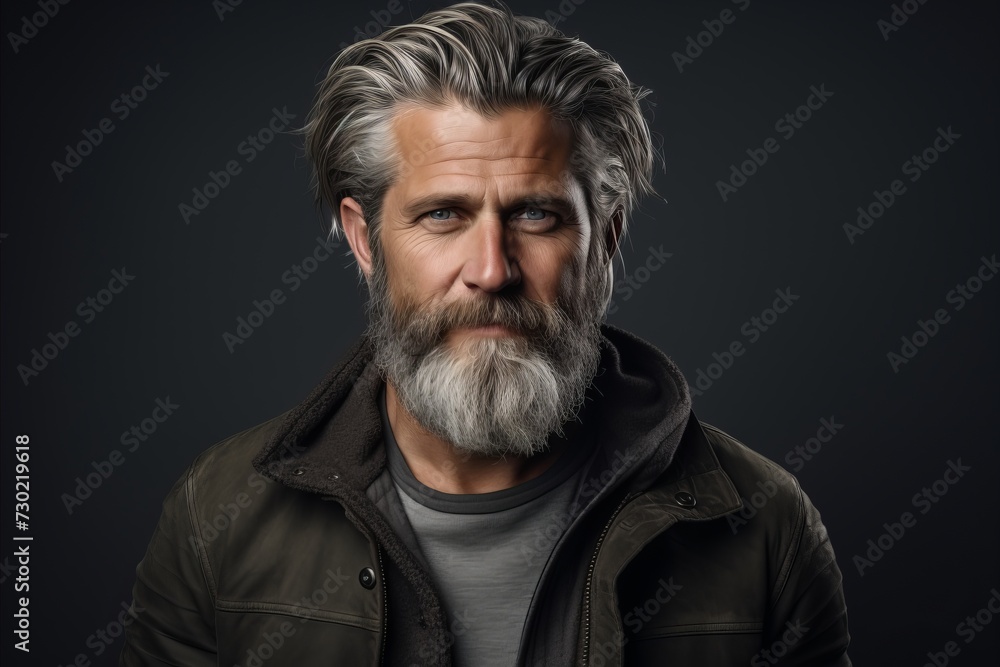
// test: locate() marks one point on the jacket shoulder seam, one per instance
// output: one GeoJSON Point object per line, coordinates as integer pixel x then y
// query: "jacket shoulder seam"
{"type": "Point", "coordinates": [797, 523]}
{"type": "Point", "coordinates": [793, 547]}
{"type": "Point", "coordinates": [757, 457]}
{"type": "Point", "coordinates": [199, 542]}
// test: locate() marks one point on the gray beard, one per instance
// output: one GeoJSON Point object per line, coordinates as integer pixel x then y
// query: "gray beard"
{"type": "Point", "coordinates": [490, 396]}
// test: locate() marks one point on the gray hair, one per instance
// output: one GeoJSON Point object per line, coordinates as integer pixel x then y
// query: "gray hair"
{"type": "Point", "coordinates": [488, 60]}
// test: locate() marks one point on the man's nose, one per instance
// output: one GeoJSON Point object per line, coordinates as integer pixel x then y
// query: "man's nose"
{"type": "Point", "coordinates": [489, 265]}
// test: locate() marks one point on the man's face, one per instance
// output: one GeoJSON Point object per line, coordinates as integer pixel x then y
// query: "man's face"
{"type": "Point", "coordinates": [483, 207]}
{"type": "Point", "coordinates": [485, 295]}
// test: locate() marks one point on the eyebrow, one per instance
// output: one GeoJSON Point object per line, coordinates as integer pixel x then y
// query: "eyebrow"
{"type": "Point", "coordinates": [432, 202]}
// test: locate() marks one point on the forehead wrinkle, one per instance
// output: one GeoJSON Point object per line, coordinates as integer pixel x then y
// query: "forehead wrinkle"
{"type": "Point", "coordinates": [518, 162]}
{"type": "Point", "coordinates": [524, 158]}
{"type": "Point", "coordinates": [511, 170]}
{"type": "Point", "coordinates": [553, 183]}
{"type": "Point", "coordinates": [474, 150]}
{"type": "Point", "coordinates": [456, 136]}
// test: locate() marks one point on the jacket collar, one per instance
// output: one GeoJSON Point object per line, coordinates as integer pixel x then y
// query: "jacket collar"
{"type": "Point", "coordinates": [333, 439]}
{"type": "Point", "coordinates": [696, 484]}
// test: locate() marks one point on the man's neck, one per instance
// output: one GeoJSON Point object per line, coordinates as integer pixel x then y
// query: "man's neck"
{"type": "Point", "coordinates": [438, 464]}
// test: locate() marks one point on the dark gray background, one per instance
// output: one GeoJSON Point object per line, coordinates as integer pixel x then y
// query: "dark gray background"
{"type": "Point", "coordinates": [825, 357]}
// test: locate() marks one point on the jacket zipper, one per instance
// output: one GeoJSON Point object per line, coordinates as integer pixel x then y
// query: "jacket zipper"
{"type": "Point", "coordinates": [385, 604]}
{"type": "Point", "coordinates": [590, 576]}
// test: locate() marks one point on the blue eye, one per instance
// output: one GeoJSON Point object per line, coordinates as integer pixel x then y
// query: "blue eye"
{"type": "Point", "coordinates": [433, 215]}
{"type": "Point", "coordinates": [532, 213]}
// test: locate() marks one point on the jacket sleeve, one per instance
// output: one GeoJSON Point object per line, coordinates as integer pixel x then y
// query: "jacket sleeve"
{"type": "Point", "coordinates": [173, 609]}
{"type": "Point", "coordinates": [808, 621]}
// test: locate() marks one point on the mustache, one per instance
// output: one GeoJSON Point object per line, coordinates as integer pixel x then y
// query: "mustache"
{"type": "Point", "coordinates": [515, 311]}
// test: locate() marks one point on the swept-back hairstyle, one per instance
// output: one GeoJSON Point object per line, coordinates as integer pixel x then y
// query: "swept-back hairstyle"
{"type": "Point", "coordinates": [488, 60]}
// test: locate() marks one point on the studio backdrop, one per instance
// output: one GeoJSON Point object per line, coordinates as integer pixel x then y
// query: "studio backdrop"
{"type": "Point", "coordinates": [821, 262]}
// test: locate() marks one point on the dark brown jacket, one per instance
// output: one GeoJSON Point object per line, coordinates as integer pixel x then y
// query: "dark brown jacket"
{"type": "Point", "coordinates": [278, 545]}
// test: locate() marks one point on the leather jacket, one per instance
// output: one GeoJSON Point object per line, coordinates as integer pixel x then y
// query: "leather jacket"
{"type": "Point", "coordinates": [276, 548]}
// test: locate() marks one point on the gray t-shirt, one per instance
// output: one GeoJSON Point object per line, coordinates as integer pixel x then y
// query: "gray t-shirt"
{"type": "Point", "coordinates": [486, 551]}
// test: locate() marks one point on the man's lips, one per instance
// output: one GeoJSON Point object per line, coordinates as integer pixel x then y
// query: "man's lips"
{"type": "Point", "coordinates": [486, 330]}
{"type": "Point", "coordinates": [493, 329]}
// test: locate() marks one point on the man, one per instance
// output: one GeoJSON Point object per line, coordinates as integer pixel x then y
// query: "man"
{"type": "Point", "coordinates": [492, 476]}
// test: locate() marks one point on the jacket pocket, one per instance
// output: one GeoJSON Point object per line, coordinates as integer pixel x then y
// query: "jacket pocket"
{"type": "Point", "coordinates": [261, 634]}
{"type": "Point", "coordinates": [697, 645]}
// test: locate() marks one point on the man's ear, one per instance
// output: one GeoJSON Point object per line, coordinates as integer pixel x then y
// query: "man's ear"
{"type": "Point", "coordinates": [352, 217]}
{"type": "Point", "coordinates": [613, 234]}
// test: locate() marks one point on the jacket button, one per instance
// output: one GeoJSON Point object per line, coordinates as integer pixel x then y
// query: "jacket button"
{"type": "Point", "coordinates": [685, 499]}
{"type": "Point", "coordinates": [367, 578]}
{"type": "Point", "coordinates": [298, 471]}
